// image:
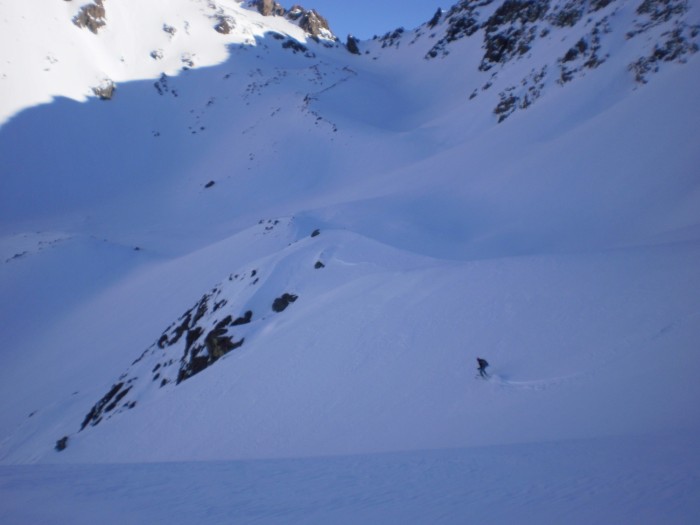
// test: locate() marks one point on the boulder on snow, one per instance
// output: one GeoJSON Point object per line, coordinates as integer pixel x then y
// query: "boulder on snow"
{"type": "Point", "coordinates": [281, 303]}
{"type": "Point", "coordinates": [105, 91]}
{"type": "Point", "coordinates": [91, 16]}
{"type": "Point", "coordinates": [61, 444]}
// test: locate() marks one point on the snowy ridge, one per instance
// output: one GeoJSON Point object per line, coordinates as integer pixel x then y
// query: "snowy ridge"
{"type": "Point", "coordinates": [546, 44]}
{"type": "Point", "coordinates": [220, 322]}
{"type": "Point", "coordinates": [134, 40]}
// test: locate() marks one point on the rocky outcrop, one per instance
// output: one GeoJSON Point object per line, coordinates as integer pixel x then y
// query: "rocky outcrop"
{"type": "Point", "coordinates": [352, 45]}
{"type": "Point", "coordinates": [462, 20]}
{"type": "Point", "coordinates": [105, 91]}
{"type": "Point", "coordinates": [436, 19]}
{"type": "Point", "coordinates": [91, 16]}
{"type": "Point", "coordinates": [269, 8]}
{"type": "Point", "coordinates": [281, 303]}
{"type": "Point", "coordinates": [309, 20]}
{"type": "Point", "coordinates": [214, 327]}
{"type": "Point", "coordinates": [510, 31]}
{"type": "Point", "coordinates": [61, 444]}
{"type": "Point", "coordinates": [225, 24]}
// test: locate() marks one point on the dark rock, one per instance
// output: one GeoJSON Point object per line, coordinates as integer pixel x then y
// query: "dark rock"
{"type": "Point", "coordinates": [91, 16]}
{"type": "Point", "coordinates": [677, 46]}
{"type": "Point", "coordinates": [436, 18]}
{"type": "Point", "coordinates": [202, 307]}
{"type": "Point", "coordinates": [316, 233]}
{"type": "Point", "coordinates": [269, 7]}
{"type": "Point", "coordinates": [596, 5]}
{"type": "Point", "coordinates": [319, 265]}
{"type": "Point", "coordinates": [193, 367]}
{"type": "Point", "coordinates": [95, 415]}
{"type": "Point", "coordinates": [62, 443]}
{"type": "Point", "coordinates": [225, 25]}
{"type": "Point", "coordinates": [281, 303]}
{"type": "Point", "coordinates": [506, 106]}
{"type": "Point", "coordinates": [510, 30]}
{"type": "Point", "coordinates": [313, 23]}
{"type": "Point", "coordinates": [217, 344]}
{"type": "Point", "coordinates": [573, 53]}
{"type": "Point", "coordinates": [662, 10]}
{"type": "Point", "coordinates": [209, 184]}
{"type": "Point", "coordinates": [352, 45]}
{"type": "Point", "coordinates": [569, 14]}
{"type": "Point", "coordinates": [462, 21]}
{"type": "Point", "coordinates": [192, 336]}
{"type": "Point", "coordinates": [392, 38]}
{"type": "Point", "coordinates": [295, 46]}
{"type": "Point", "coordinates": [117, 399]}
{"type": "Point", "coordinates": [245, 319]}
{"type": "Point", "coordinates": [219, 305]}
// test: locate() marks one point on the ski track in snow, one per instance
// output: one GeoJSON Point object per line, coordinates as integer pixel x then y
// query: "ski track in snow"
{"type": "Point", "coordinates": [537, 384]}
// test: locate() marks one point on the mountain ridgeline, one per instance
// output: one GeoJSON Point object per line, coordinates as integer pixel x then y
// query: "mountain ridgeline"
{"type": "Point", "coordinates": [550, 43]}
{"type": "Point", "coordinates": [520, 30]}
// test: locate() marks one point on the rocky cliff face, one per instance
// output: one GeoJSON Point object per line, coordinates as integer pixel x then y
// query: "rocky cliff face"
{"type": "Point", "coordinates": [310, 21]}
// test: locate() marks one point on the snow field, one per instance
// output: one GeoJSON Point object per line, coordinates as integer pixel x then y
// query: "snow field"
{"type": "Point", "coordinates": [562, 245]}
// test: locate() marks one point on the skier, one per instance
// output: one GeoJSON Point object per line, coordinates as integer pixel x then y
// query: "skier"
{"type": "Point", "coordinates": [483, 363]}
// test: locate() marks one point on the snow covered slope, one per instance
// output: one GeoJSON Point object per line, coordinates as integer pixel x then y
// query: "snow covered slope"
{"type": "Point", "coordinates": [286, 249]}
{"type": "Point", "coordinates": [77, 49]}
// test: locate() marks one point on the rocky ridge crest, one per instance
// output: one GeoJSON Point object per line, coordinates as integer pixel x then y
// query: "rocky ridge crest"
{"type": "Point", "coordinates": [309, 20]}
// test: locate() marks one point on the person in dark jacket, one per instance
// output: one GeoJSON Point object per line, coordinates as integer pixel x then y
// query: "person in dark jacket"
{"type": "Point", "coordinates": [483, 363]}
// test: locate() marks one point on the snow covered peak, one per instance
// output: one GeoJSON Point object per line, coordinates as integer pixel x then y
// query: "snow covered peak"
{"type": "Point", "coordinates": [309, 20]}
{"type": "Point", "coordinates": [72, 49]}
{"type": "Point", "coordinates": [518, 50]}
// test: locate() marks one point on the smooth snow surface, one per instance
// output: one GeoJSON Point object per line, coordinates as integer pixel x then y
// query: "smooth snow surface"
{"type": "Point", "coordinates": [578, 482]}
{"type": "Point", "coordinates": [416, 233]}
